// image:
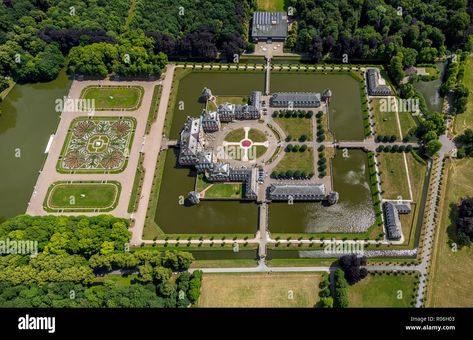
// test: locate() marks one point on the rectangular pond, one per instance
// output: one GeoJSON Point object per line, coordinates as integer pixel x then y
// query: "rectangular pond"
{"type": "Point", "coordinates": [352, 214]}
{"type": "Point", "coordinates": [27, 120]}
{"type": "Point", "coordinates": [208, 217]}
{"type": "Point", "coordinates": [346, 119]}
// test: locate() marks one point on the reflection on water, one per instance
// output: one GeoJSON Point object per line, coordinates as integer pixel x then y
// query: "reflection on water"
{"type": "Point", "coordinates": [353, 213]}
{"type": "Point", "coordinates": [27, 120]}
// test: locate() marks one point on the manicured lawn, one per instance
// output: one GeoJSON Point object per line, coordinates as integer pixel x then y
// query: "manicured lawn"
{"type": "Point", "coordinates": [408, 124]}
{"type": "Point", "coordinates": [201, 183]}
{"type": "Point", "coordinates": [417, 172]}
{"type": "Point", "coordinates": [383, 291]}
{"type": "Point", "coordinates": [257, 136]}
{"type": "Point", "coordinates": [271, 5]}
{"type": "Point", "coordinates": [241, 100]}
{"type": "Point", "coordinates": [465, 120]}
{"type": "Point", "coordinates": [393, 175]}
{"type": "Point", "coordinates": [225, 190]}
{"type": "Point", "coordinates": [452, 274]}
{"type": "Point", "coordinates": [260, 290]}
{"type": "Point", "coordinates": [296, 127]}
{"type": "Point", "coordinates": [385, 121]}
{"type": "Point", "coordinates": [83, 195]}
{"type": "Point", "coordinates": [235, 135]}
{"type": "Point", "coordinates": [303, 161]}
{"type": "Point", "coordinates": [260, 150]}
{"type": "Point", "coordinates": [114, 97]}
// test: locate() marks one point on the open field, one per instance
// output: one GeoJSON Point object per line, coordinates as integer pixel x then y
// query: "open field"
{"type": "Point", "coordinates": [296, 127]}
{"type": "Point", "coordinates": [225, 190]}
{"type": "Point", "coordinates": [271, 5]}
{"type": "Point", "coordinates": [408, 124]}
{"type": "Point", "coordinates": [393, 175]}
{"type": "Point", "coordinates": [385, 120]}
{"type": "Point", "coordinates": [257, 136]}
{"type": "Point", "coordinates": [383, 291]}
{"type": "Point", "coordinates": [452, 272]}
{"type": "Point", "coordinates": [235, 135]}
{"type": "Point", "coordinates": [465, 120]}
{"type": "Point", "coordinates": [114, 97]}
{"type": "Point", "coordinates": [303, 161]}
{"type": "Point", "coordinates": [240, 100]}
{"type": "Point", "coordinates": [260, 290]}
{"type": "Point", "coordinates": [82, 196]}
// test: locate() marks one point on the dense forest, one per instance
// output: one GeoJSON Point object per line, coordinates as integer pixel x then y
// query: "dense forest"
{"type": "Point", "coordinates": [36, 36]}
{"type": "Point", "coordinates": [413, 30]}
{"type": "Point", "coordinates": [73, 258]}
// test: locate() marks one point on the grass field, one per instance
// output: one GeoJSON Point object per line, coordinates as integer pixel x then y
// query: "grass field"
{"type": "Point", "coordinates": [225, 190]}
{"type": "Point", "coordinates": [271, 5]}
{"type": "Point", "coordinates": [260, 290]}
{"type": "Point", "coordinates": [408, 124]}
{"type": "Point", "coordinates": [241, 100]}
{"type": "Point", "coordinates": [296, 127]}
{"type": "Point", "coordinates": [80, 196]}
{"type": "Point", "coordinates": [114, 97]}
{"type": "Point", "coordinates": [235, 135]}
{"type": "Point", "coordinates": [385, 121]}
{"type": "Point", "coordinates": [383, 291]}
{"type": "Point", "coordinates": [465, 120]}
{"type": "Point", "coordinates": [393, 175]}
{"type": "Point", "coordinates": [256, 136]}
{"type": "Point", "coordinates": [303, 161]}
{"type": "Point", "coordinates": [452, 272]}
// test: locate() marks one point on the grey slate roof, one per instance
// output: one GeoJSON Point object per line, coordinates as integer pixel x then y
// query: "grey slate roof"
{"type": "Point", "coordinates": [297, 191]}
{"type": "Point", "coordinates": [392, 209]}
{"type": "Point", "coordinates": [269, 25]}
{"type": "Point", "coordinates": [297, 99]}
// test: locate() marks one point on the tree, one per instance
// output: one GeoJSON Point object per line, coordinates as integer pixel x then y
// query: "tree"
{"type": "Point", "coordinates": [432, 147]}
{"type": "Point", "coordinates": [161, 274]}
{"type": "Point", "coordinates": [396, 69]}
{"type": "Point", "coordinates": [325, 302]}
{"type": "Point", "coordinates": [464, 222]}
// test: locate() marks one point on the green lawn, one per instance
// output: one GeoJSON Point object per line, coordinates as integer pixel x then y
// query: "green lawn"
{"type": "Point", "coordinates": [257, 136]}
{"type": "Point", "coordinates": [235, 135]}
{"type": "Point", "coordinates": [383, 291]}
{"type": "Point", "coordinates": [271, 5]}
{"type": "Point", "coordinates": [393, 175]}
{"type": "Point", "coordinates": [296, 127]}
{"type": "Point", "coordinates": [408, 124]}
{"type": "Point", "coordinates": [465, 120]}
{"type": "Point", "coordinates": [452, 271]}
{"type": "Point", "coordinates": [225, 190]}
{"type": "Point", "coordinates": [114, 97]}
{"type": "Point", "coordinates": [303, 161]}
{"type": "Point", "coordinates": [385, 120]}
{"type": "Point", "coordinates": [260, 290]}
{"type": "Point", "coordinates": [83, 196]}
{"type": "Point", "coordinates": [241, 100]}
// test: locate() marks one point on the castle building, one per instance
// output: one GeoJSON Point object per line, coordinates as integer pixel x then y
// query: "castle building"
{"type": "Point", "coordinates": [295, 99]}
{"type": "Point", "coordinates": [376, 84]}
{"type": "Point", "coordinates": [391, 210]}
{"type": "Point", "coordinates": [297, 192]}
{"type": "Point", "coordinates": [191, 142]}
{"type": "Point", "coordinates": [210, 121]}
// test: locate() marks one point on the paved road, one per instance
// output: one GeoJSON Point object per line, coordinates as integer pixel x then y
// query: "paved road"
{"type": "Point", "coordinates": [151, 147]}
